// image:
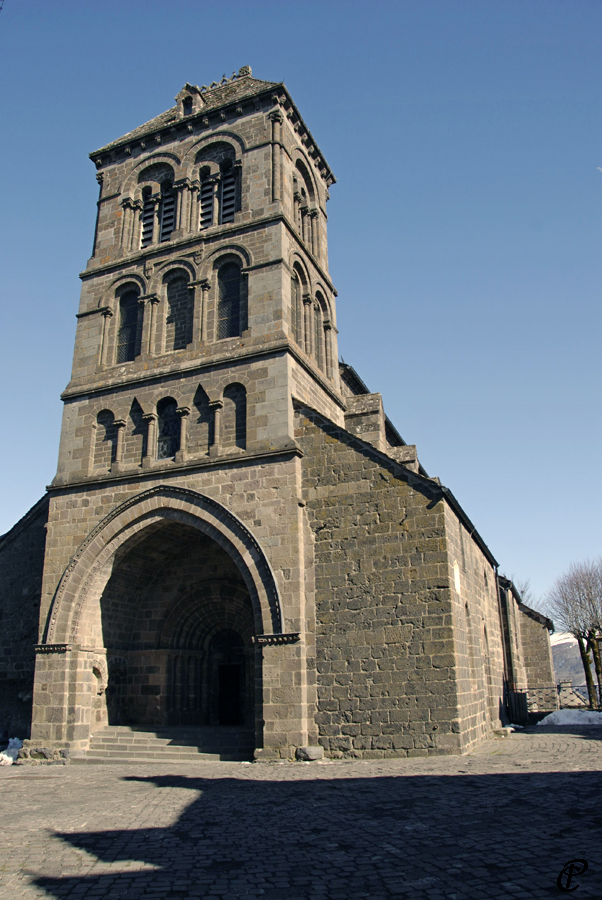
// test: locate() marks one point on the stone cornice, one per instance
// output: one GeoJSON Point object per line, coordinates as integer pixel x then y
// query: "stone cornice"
{"type": "Point", "coordinates": [177, 470]}
{"type": "Point", "coordinates": [145, 377]}
{"type": "Point", "coordinates": [230, 230]}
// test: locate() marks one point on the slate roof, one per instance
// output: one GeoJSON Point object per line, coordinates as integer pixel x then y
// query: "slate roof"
{"type": "Point", "coordinates": [235, 88]}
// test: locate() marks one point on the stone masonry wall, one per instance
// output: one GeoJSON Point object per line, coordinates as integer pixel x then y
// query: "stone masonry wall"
{"type": "Point", "coordinates": [477, 633]}
{"type": "Point", "coordinates": [21, 565]}
{"type": "Point", "coordinates": [537, 657]}
{"type": "Point", "coordinates": [384, 641]}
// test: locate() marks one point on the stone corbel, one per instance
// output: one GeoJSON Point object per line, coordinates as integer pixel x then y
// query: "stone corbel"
{"type": "Point", "coordinates": [273, 640]}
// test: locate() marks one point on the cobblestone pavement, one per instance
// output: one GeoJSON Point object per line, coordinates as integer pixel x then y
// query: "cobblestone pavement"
{"type": "Point", "coordinates": [500, 822]}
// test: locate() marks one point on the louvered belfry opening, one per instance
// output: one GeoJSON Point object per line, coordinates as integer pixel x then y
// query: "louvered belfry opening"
{"type": "Point", "coordinates": [148, 216]}
{"type": "Point", "coordinates": [168, 212]}
{"type": "Point", "coordinates": [228, 194]}
{"type": "Point", "coordinates": [228, 309]}
{"type": "Point", "coordinates": [127, 336]}
{"type": "Point", "coordinates": [207, 190]}
{"type": "Point", "coordinates": [168, 432]}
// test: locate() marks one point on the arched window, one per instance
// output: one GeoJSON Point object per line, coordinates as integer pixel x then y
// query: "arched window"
{"type": "Point", "coordinates": [229, 301]}
{"type": "Point", "coordinates": [128, 340]}
{"type": "Point", "coordinates": [168, 428]}
{"type": "Point", "coordinates": [234, 417]}
{"type": "Point", "coordinates": [187, 106]}
{"type": "Point", "coordinates": [105, 444]}
{"type": "Point", "coordinates": [178, 324]}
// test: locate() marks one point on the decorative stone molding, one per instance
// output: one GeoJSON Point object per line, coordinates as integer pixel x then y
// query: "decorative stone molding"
{"type": "Point", "coordinates": [53, 648]}
{"type": "Point", "coordinates": [274, 640]}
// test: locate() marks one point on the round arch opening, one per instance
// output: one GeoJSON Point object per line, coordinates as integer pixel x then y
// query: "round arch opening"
{"type": "Point", "coordinates": [176, 621]}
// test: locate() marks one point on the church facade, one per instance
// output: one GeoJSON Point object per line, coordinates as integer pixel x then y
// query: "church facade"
{"type": "Point", "coordinates": [236, 534]}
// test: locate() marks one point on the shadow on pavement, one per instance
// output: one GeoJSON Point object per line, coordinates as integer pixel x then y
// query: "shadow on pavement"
{"type": "Point", "coordinates": [415, 836]}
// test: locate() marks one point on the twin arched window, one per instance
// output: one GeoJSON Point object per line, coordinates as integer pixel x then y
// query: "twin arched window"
{"type": "Point", "coordinates": [158, 222]}
{"type": "Point", "coordinates": [310, 327]}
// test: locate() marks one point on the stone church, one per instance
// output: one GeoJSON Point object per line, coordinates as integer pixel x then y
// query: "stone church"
{"type": "Point", "coordinates": [237, 537]}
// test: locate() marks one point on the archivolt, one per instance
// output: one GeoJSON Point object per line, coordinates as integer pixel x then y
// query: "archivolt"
{"type": "Point", "coordinates": [86, 575]}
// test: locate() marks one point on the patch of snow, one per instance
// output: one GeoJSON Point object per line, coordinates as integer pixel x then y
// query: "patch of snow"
{"type": "Point", "coordinates": [9, 755]}
{"type": "Point", "coordinates": [573, 717]}
{"type": "Point", "coordinates": [562, 637]}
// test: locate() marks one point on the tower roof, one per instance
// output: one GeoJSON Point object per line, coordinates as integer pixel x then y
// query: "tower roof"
{"type": "Point", "coordinates": [209, 98]}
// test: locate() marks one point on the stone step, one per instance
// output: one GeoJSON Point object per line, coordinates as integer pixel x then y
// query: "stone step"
{"type": "Point", "coordinates": [127, 744]}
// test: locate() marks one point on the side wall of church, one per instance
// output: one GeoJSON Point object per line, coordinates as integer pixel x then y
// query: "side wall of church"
{"type": "Point", "coordinates": [384, 640]}
{"type": "Point", "coordinates": [21, 566]}
{"type": "Point", "coordinates": [477, 633]}
{"type": "Point", "coordinates": [537, 658]}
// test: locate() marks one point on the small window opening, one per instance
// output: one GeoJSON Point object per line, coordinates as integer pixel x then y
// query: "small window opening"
{"type": "Point", "coordinates": [187, 106]}
{"type": "Point", "coordinates": [168, 434]}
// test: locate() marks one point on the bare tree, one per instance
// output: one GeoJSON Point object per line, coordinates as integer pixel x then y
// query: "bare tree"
{"type": "Point", "coordinates": [575, 604]}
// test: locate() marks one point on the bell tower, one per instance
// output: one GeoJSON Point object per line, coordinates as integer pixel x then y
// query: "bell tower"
{"type": "Point", "coordinates": [177, 541]}
{"type": "Point", "coordinates": [210, 256]}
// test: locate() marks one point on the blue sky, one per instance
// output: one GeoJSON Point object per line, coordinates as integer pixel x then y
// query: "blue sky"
{"type": "Point", "coordinates": [464, 229]}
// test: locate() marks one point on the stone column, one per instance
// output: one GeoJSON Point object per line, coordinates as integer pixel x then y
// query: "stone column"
{"type": "Point", "coordinates": [182, 216]}
{"type": "Point", "coordinates": [156, 200]}
{"type": "Point", "coordinates": [307, 323]}
{"type": "Point", "coordinates": [328, 348]}
{"type": "Point", "coordinates": [199, 326]}
{"type": "Point", "coordinates": [276, 119]}
{"type": "Point", "coordinates": [118, 464]}
{"type": "Point", "coordinates": [107, 315]}
{"type": "Point", "coordinates": [205, 288]}
{"type": "Point", "coordinates": [183, 412]}
{"type": "Point", "coordinates": [216, 181]}
{"type": "Point", "coordinates": [194, 215]}
{"type": "Point", "coordinates": [151, 440]}
{"type": "Point", "coordinates": [216, 406]}
{"type": "Point", "coordinates": [148, 303]}
{"type": "Point", "coordinates": [127, 222]}
{"type": "Point", "coordinates": [315, 232]}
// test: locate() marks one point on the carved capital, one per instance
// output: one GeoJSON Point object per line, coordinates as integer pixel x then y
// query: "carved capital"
{"type": "Point", "coordinates": [307, 299]}
{"type": "Point", "coordinates": [183, 411]}
{"type": "Point", "coordinates": [205, 285]}
{"type": "Point", "coordinates": [107, 313]}
{"type": "Point", "coordinates": [216, 404]}
{"type": "Point", "coordinates": [276, 116]}
{"type": "Point", "coordinates": [119, 423]}
{"type": "Point", "coordinates": [314, 213]}
{"type": "Point", "coordinates": [100, 177]}
{"type": "Point", "coordinates": [181, 183]}
{"type": "Point", "coordinates": [149, 417]}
